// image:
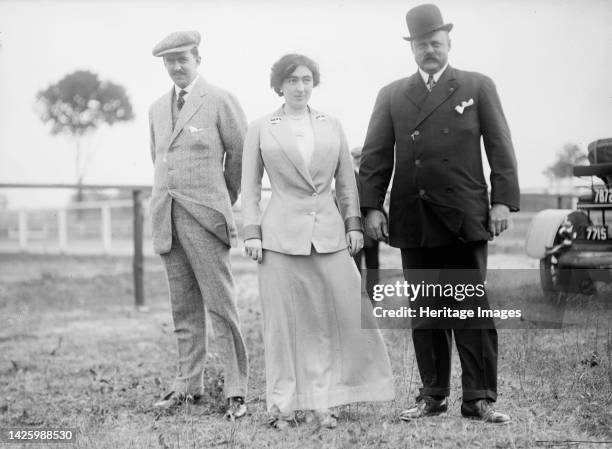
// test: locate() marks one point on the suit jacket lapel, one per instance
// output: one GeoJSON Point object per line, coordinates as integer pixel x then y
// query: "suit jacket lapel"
{"type": "Point", "coordinates": [322, 135]}
{"type": "Point", "coordinates": [192, 104]}
{"type": "Point", "coordinates": [280, 129]}
{"type": "Point", "coordinates": [165, 112]}
{"type": "Point", "coordinates": [447, 85]}
{"type": "Point", "coordinates": [417, 91]}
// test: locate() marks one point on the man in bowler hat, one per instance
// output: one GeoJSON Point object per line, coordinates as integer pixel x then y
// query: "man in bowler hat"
{"type": "Point", "coordinates": [441, 214]}
{"type": "Point", "coordinates": [197, 133]}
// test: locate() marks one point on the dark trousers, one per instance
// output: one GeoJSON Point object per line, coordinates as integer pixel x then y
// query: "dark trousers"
{"type": "Point", "coordinates": [370, 254]}
{"type": "Point", "coordinates": [477, 348]}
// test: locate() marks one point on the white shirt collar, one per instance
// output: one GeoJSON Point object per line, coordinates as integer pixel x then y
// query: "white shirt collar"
{"type": "Point", "coordinates": [187, 89]}
{"type": "Point", "coordinates": [436, 75]}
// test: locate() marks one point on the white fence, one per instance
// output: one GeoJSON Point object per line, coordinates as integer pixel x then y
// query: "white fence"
{"type": "Point", "coordinates": [97, 227]}
{"type": "Point", "coordinates": [106, 227]}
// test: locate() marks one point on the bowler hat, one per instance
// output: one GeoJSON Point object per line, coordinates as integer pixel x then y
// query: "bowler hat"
{"type": "Point", "coordinates": [425, 19]}
{"type": "Point", "coordinates": [177, 42]}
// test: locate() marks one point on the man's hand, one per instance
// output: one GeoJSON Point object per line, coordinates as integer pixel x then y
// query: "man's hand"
{"type": "Point", "coordinates": [252, 248]}
{"type": "Point", "coordinates": [498, 219]}
{"type": "Point", "coordinates": [376, 225]}
{"type": "Point", "coordinates": [354, 241]}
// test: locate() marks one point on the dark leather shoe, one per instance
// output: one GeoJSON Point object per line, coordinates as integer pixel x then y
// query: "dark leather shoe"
{"type": "Point", "coordinates": [483, 409]}
{"type": "Point", "coordinates": [425, 406]}
{"type": "Point", "coordinates": [174, 399]}
{"type": "Point", "coordinates": [236, 408]}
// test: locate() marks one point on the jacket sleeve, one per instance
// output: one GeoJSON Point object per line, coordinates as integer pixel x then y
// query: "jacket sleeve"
{"type": "Point", "coordinates": [252, 172]}
{"type": "Point", "coordinates": [151, 135]}
{"type": "Point", "coordinates": [232, 126]}
{"type": "Point", "coordinates": [498, 147]}
{"type": "Point", "coordinates": [346, 187]}
{"type": "Point", "coordinates": [376, 165]}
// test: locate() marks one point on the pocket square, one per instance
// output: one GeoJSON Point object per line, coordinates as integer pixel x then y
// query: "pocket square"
{"type": "Point", "coordinates": [193, 129]}
{"type": "Point", "coordinates": [464, 104]}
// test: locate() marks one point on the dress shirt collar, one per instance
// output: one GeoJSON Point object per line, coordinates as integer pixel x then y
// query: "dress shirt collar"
{"type": "Point", "coordinates": [187, 89]}
{"type": "Point", "coordinates": [436, 75]}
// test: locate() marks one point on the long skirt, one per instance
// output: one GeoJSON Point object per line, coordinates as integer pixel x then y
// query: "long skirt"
{"type": "Point", "coordinates": [317, 355]}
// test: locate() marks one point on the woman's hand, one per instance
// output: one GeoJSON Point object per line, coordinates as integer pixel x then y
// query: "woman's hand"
{"type": "Point", "coordinates": [252, 248]}
{"type": "Point", "coordinates": [354, 240]}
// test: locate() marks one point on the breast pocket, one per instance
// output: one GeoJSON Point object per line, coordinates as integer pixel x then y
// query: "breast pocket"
{"type": "Point", "coordinates": [198, 138]}
{"type": "Point", "coordinates": [464, 121]}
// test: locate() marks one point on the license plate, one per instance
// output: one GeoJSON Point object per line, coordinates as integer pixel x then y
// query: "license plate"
{"type": "Point", "coordinates": [597, 232]}
{"type": "Point", "coordinates": [603, 196]}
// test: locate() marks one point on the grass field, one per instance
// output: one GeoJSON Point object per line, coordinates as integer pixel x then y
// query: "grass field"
{"type": "Point", "coordinates": [74, 353]}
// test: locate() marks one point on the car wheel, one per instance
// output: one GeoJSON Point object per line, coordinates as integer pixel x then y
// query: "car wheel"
{"type": "Point", "coordinates": [553, 279]}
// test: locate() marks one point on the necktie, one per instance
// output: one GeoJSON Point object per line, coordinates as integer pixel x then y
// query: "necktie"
{"type": "Point", "coordinates": [430, 82]}
{"type": "Point", "coordinates": [181, 101]}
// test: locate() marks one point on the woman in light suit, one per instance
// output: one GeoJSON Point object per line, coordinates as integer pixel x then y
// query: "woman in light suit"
{"type": "Point", "coordinates": [317, 355]}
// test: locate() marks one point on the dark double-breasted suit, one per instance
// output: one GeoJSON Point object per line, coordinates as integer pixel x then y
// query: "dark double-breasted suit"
{"type": "Point", "coordinates": [439, 193]}
{"type": "Point", "coordinates": [439, 207]}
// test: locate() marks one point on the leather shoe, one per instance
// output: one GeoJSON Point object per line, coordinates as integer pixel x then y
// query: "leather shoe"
{"type": "Point", "coordinates": [425, 406]}
{"type": "Point", "coordinates": [483, 409]}
{"type": "Point", "coordinates": [174, 399]}
{"type": "Point", "coordinates": [236, 408]}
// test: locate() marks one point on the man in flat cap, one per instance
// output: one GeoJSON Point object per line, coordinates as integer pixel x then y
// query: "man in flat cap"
{"type": "Point", "coordinates": [441, 214]}
{"type": "Point", "coordinates": [197, 133]}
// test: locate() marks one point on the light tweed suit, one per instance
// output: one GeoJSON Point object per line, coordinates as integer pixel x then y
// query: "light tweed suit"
{"type": "Point", "coordinates": [197, 179]}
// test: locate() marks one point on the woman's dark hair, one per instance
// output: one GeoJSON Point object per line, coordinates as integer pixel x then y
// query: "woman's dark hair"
{"type": "Point", "coordinates": [285, 67]}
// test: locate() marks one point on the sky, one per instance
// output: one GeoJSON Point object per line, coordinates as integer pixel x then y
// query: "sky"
{"type": "Point", "coordinates": [551, 61]}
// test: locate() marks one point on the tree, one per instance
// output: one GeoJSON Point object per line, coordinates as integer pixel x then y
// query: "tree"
{"type": "Point", "coordinates": [77, 106]}
{"type": "Point", "coordinates": [567, 157]}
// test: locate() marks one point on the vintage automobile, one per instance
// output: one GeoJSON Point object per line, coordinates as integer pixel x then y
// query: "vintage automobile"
{"type": "Point", "coordinates": [575, 246]}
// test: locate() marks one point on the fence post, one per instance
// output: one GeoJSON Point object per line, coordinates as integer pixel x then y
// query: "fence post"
{"type": "Point", "coordinates": [62, 231]}
{"type": "Point", "coordinates": [106, 228]}
{"type": "Point", "coordinates": [23, 230]}
{"type": "Point", "coordinates": [138, 258]}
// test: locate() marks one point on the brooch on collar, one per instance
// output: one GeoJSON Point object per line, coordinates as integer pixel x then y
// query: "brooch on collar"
{"type": "Point", "coordinates": [275, 120]}
{"type": "Point", "coordinates": [464, 104]}
{"type": "Point", "coordinates": [320, 117]}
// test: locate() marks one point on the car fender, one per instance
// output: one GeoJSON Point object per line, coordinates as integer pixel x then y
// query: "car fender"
{"type": "Point", "coordinates": [543, 230]}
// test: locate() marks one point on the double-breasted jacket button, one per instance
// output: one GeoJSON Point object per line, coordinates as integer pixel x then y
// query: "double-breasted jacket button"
{"type": "Point", "coordinates": [422, 193]}
{"type": "Point", "coordinates": [417, 162]}
{"type": "Point", "coordinates": [314, 194]}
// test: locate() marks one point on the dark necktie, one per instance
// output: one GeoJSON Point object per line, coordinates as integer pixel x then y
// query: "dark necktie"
{"type": "Point", "coordinates": [181, 101]}
{"type": "Point", "coordinates": [430, 82]}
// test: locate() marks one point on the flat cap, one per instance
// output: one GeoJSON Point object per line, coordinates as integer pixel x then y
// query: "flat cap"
{"type": "Point", "coordinates": [177, 42]}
